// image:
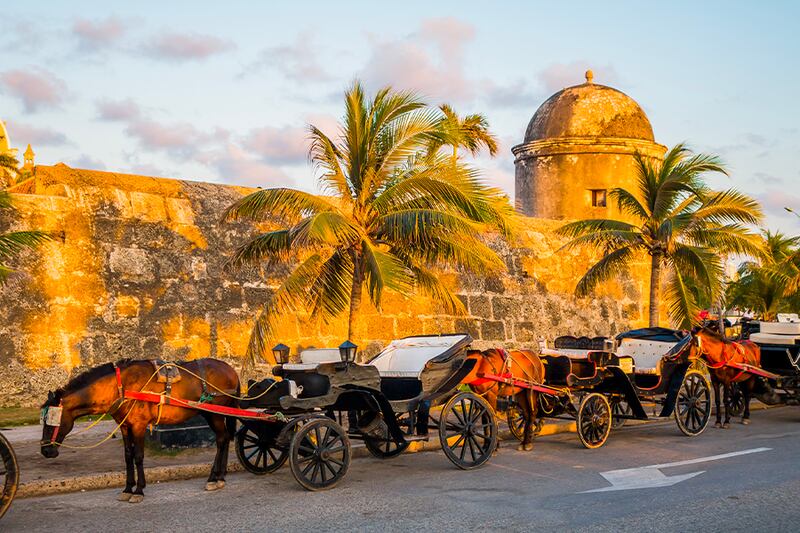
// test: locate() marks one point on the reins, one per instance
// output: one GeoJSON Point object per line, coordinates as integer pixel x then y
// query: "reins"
{"type": "Point", "coordinates": [119, 402]}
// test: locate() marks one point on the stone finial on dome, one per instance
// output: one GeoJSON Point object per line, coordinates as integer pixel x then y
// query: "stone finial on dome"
{"type": "Point", "coordinates": [589, 76]}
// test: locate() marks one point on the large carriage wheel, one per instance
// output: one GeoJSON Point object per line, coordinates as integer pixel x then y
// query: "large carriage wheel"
{"type": "Point", "coordinates": [384, 447]}
{"type": "Point", "coordinates": [594, 420]}
{"type": "Point", "coordinates": [9, 475]}
{"type": "Point", "coordinates": [693, 404]}
{"type": "Point", "coordinates": [468, 430]}
{"type": "Point", "coordinates": [619, 410]}
{"type": "Point", "coordinates": [256, 451]}
{"type": "Point", "coordinates": [516, 422]}
{"type": "Point", "coordinates": [319, 454]}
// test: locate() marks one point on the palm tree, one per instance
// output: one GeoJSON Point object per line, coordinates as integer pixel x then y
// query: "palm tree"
{"type": "Point", "coordinates": [680, 223]}
{"type": "Point", "coordinates": [11, 244]}
{"type": "Point", "coordinates": [758, 288]}
{"type": "Point", "coordinates": [471, 132]}
{"type": "Point", "coordinates": [9, 167]}
{"type": "Point", "coordinates": [395, 215]}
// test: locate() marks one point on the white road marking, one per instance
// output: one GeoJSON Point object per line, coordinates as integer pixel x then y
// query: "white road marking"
{"type": "Point", "coordinates": [646, 477]}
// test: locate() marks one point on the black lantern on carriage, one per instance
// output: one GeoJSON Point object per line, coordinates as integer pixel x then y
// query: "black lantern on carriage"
{"type": "Point", "coordinates": [347, 351]}
{"type": "Point", "coordinates": [281, 354]}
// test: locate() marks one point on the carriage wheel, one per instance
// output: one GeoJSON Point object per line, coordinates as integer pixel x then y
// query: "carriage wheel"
{"type": "Point", "coordinates": [737, 400]}
{"type": "Point", "coordinates": [256, 452]}
{"type": "Point", "coordinates": [319, 454]}
{"type": "Point", "coordinates": [594, 420]}
{"type": "Point", "coordinates": [619, 409]}
{"type": "Point", "coordinates": [9, 475]}
{"type": "Point", "coordinates": [693, 404]}
{"type": "Point", "coordinates": [384, 447]}
{"type": "Point", "coordinates": [468, 430]}
{"type": "Point", "coordinates": [516, 422]}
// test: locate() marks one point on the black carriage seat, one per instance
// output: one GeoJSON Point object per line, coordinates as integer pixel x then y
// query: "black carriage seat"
{"type": "Point", "coordinates": [401, 388]}
{"type": "Point", "coordinates": [558, 367]}
{"type": "Point", "coordinates": [312, 382]}
{"type": "Point", "coordinates": [568, 342]}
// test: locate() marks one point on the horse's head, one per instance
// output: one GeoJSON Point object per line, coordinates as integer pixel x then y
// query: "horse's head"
{"type": "Point", "coordinates": [56, 423]}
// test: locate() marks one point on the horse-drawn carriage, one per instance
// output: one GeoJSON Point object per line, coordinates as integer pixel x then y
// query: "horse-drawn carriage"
{"type": "Point", "coordinates": [388, 403]}
{"type": "Point", "coordinates": [602, 382]}
{"type": "Point", "coordinates": [779, 344]}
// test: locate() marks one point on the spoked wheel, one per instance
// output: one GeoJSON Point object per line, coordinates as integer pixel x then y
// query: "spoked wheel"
{"type": "Point", "coordinates": [516, 422]}
{"type": "Point", "coordinates": [384, 447]}
{"type": "Point", "coordinates": [693, 404]}
{"type": "Point", "coordinates": [737, 400]}
{"type": "Point", "coordinates": [256, 451]}
{"type": "Point", "coordinates": [468, 430]}
{"type": "Point", "coordinates": [319, 454]}
{"type": "Point", "coordinates": [619, 409]}
{"type": "Point", "coordinates": [594, 420]}
{"type": "Point", "coordinates": [9, 475]}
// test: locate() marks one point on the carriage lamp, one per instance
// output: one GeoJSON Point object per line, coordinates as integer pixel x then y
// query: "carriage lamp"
{"type": "Point", "coordinates": [281, 354]}
{"type": "Point", "coordinates": [347, 351]}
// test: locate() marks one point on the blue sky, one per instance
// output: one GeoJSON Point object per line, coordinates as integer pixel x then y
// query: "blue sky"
{"type": "Point", "coordinates": [222, 91]}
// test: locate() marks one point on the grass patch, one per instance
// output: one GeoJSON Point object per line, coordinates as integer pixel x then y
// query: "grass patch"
{"type": "Point", "coordinates": [18, 416]}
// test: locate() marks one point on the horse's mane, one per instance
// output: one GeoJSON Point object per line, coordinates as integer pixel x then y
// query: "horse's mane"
{"type": "Point", "coordinates": [713, 333]}
{"type": "Point", "coordinates": [89, 376]}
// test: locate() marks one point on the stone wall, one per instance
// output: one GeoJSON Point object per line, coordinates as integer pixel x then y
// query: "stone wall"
{"type": "Point", "coordinates": [138, 271]}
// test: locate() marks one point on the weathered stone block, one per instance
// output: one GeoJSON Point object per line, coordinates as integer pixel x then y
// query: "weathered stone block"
{"type": "Point", "coordinates": [480, 306]}
{"type": "Point", "coordinates": [505, 307]}
{"type": "Point", "coordinates": [468, 325]}
{"type": "Point", "coordinates": [131, 264]}
{"type": "Point", "coordinates": [493, 330]}
{"type": "Point", "coordinates": [495, 284]}
{"type": "Point", "coordinates": [526, 332]}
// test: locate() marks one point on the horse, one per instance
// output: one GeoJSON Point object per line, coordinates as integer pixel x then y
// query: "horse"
{"type": "Point", "coordinates": [519, 364]}
{"type": "Point", "coordinates": [100, 390]}
{"type": "Point", "coordinates": [717, 351]}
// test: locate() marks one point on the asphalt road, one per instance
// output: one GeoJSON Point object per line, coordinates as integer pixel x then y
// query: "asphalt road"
{"type": "Point", "coordinates": [755, 491]}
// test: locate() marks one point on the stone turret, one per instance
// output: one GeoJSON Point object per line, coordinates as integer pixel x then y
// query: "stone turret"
{"type": "Point", "coordinates": [579, 144]}
{"type": "Point", "coordinates": [27, 165]}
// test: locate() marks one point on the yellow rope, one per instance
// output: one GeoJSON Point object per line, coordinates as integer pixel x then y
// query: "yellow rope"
{"type": "Point", "coordinates": [63, 445]}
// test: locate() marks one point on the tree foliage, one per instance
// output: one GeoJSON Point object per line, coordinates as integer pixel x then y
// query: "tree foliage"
{"type": "Point", "coordinates": [395, 213]}
{"type": "Point", "coordinates": [685, 228]}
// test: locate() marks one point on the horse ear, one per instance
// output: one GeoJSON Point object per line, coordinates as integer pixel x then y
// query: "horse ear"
{"type": "Point", "coordinates": [50, 395]}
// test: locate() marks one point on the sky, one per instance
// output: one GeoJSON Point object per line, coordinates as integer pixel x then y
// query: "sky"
{"type": "Point", "coordinates": [224, 91]}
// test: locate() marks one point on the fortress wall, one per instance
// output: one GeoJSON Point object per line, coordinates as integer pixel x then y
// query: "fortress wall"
{"type": "Point", "coordinates": [138, 272]}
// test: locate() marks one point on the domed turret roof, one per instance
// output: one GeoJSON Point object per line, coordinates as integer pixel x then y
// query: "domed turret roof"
{"type": "Point", "coordinates": [589, 110]}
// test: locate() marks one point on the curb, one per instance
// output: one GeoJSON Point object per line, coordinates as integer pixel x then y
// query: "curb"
{"type": "Point", "coordinates": [156, 474]}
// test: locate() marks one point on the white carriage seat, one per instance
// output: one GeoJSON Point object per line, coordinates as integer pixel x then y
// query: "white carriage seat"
{"type": "Point", "coordinates": [790, 318]}
{"type": "Point", "coordinates": [406, 358]}
{"type": "Point", "coordinates": [310, 359]}
{"type": "Point", "coordinates": [779, 328]}
{"type": "Point", "coordinates": [646, 354]}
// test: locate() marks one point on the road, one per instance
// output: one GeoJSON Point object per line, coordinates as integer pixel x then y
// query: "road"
{"type": "Point", "coordinates": [756, 491]}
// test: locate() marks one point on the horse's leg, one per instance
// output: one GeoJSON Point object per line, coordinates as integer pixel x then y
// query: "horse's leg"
{"type": "Point", "coordinates": [137, 436]}
{"type": "Point", "coordinates": [747, 388]}
{"type": "Point", "coordinates": [130, 476]}
{"type": "Point", "coordinates": [727, 401]}
{"type": "Point", "coordinates": [523, 399]}
{"type": "Point", "coordinates": [716, 383]}
{"type": "Point", "coordinates": [216, 479]}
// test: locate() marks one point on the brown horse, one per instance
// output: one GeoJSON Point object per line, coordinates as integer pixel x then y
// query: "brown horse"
{"type": "Point", "coordinates": [519, 364]}
{"type": "Point", "coordinates": [717, 352]}
{"type": "Point", "coordinates": [100, 389]}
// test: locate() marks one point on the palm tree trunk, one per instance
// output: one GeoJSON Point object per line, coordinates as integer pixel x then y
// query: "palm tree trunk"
{"type": "Point", "coordinates": [655, 288]}
{"type": "Point", "coordinates": [355, 297]}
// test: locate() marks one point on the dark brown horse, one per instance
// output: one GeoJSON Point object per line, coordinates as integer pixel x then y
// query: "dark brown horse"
{"type": "Point", "coordinates": [99, 390]}
{"type": "Point", "coordinates": [520, 364]}
{"type": "Point", "coordinates": [717, 353]}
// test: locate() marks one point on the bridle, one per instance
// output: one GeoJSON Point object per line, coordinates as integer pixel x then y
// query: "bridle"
{"type": "Point", "coordinates": [51, 416]}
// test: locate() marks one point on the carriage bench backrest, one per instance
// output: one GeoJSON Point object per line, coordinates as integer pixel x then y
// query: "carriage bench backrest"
{"type": "Point", "coordinates": [408, 357]}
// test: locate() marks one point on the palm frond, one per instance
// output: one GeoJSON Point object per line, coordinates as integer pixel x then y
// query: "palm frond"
{"type": "Point", "coordinates": [280, 202]}
{"type": "Point", "coordinates": [13, 243]}
{"type": "Point", "coordinates": [383, 271]}
{"type": "Point", "coordinates": [682, 307]}
{"type": "Point", "coordinates": [611, 265]}
{"type": "Point", "coordinates": [270, 247]}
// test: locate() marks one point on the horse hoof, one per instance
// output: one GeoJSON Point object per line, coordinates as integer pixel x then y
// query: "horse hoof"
{"type": "Point", "coordinates": [221, 484]}
{"type": "Point", "coordinates": [528, 447]}
{"type": "Point", "coordinates": [124, 496]}
{"type": "Point", "coordinates": [136, 498]}
{"type": "Point", "coordinates": [746, 421]}
{"type": "Point", "coordinates": [726, 426]}
{"type": "Point", "coordinates": [212, 485]}
{"type": "Point", "coordinates": [718, 424]}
